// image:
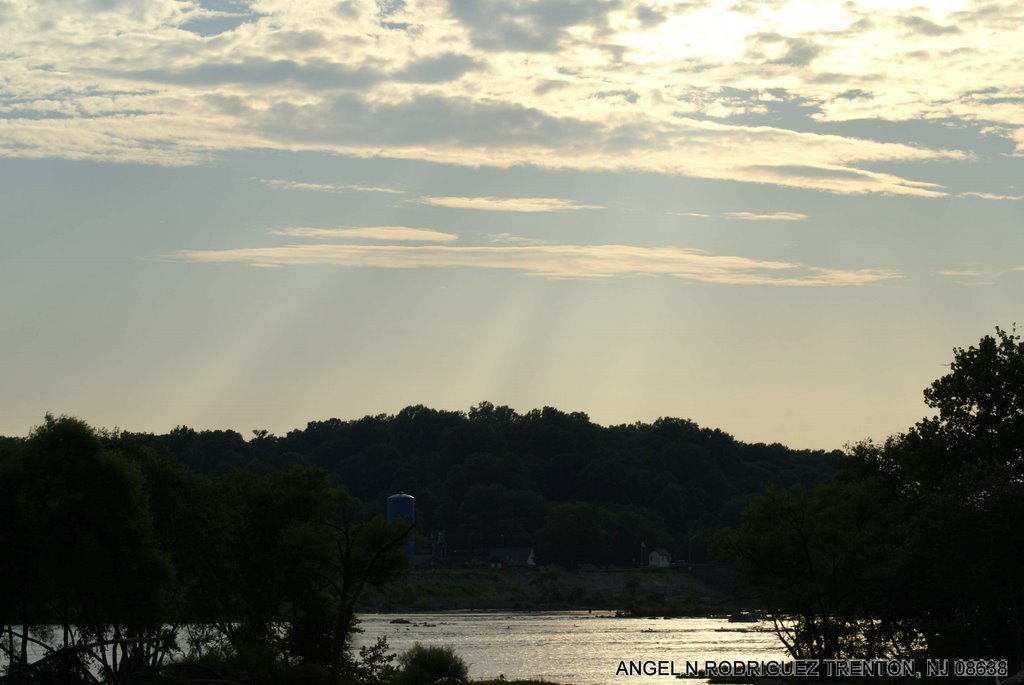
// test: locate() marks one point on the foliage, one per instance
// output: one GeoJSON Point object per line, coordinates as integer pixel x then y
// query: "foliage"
{"type": "Point", "coordinates": [296, 556]}
{"type": "Point", "coordinates": [422, 665]}
{"type": "Point", "coordinates": [79, 549]}
{"type": "Point", "coordinates": [120, 547]}
{"type": "Point", "coordinates": [491, 476]}
{"type": "Point", "coordinates": [573, 533]}
{"type": "Point", "coordinates": [909, 551]}
{"type": "Point", "coordinates": [962, 470]}
{"type": "Point", "coordinates": [826, 564]}
{"type": "Point", "coordinates": [375, 665]}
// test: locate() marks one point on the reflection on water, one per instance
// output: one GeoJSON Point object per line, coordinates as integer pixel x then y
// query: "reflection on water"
{"type": "Point", "coordinates": [574, 647]}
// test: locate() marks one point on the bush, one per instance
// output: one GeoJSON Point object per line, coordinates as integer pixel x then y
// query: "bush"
{"type": "Point", "coordinates": [425, 665]}
{"type": "Point", "coordinates": [305, 674]}
{"type": "Point", "coordinates": [374, 666]}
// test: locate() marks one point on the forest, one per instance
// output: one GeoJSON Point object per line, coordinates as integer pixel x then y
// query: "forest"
{"type": "Point", "coordinates": [200, 556]}
{"type": "Point", "coordinates": [493, 477]}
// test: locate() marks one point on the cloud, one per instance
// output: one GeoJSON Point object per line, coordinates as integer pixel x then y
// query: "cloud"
{"type": "Point", "coordinates": [262, 71]}
{"type": "Point", "coordinates": [282, 184]}
{"type": "Point", "coordinates": [775, 48]}
{"type": "Point", "coordinates": [992, 196]}
{"type": "Point", "coordinates": [699, 215]}
{"type": "Point", "coordinates": [386, 8]}
{"type": "Point", "coordinates": [844, 180]}
{"type": "Point", "coordinates": [370, 232]}
{"type": "Point", "coordinates": [970, 277]}
{"type": "Point", "coordinates": [768, 216]}
{"type": "Point", "coordinates": [461, 131]}
{"type": "Point", "coordinates": [300, 41]}
{"type": "Point", "coordinates": [552, 261]}
{"type": "Point", "coordinates": [964, 273]}
{"type": "Point", "coordinates": [509, 239]}
{"type": "Point", "coordinates": [548, 85]}
{"type": "Point", "coordinates": [442, 122]}
{"type": "Point", "coordinates": [747, 216]}
{"type": "Point", "coordinates": [507, 204]}
{"type": "Point", "coordinates": [528, 25]}
{"type": "Point", "coordinates": [627, 95]}
{"type": "Point", "coordinates": [512, 83]}
{"type": "Point", "coordinates": [215, 21]}
{"type": "Point", "coordinates": [649, 16]}
{"type": "Point", "coordinates": [447, 67]}
{"type": "Point", "coordinates": [926, 27]}
{"type": "Point", "coordinates": [855, 94]}
{"type": "Point", "coordinates": [314, 72]}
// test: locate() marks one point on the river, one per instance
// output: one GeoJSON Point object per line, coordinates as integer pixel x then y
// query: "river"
{"type": "Point", "coordinates": [576, 647]}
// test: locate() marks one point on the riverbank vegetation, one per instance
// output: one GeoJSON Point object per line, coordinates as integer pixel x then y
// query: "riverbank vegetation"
{"type": "Point", "coordinates": [911, 551]}
{"type": "Point", "coordinates": [121, 563]}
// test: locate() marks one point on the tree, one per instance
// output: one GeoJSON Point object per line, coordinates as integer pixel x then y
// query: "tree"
{"type": "Point", "coordinates": [963, 472]}
{"type": "Point", "coordinates": [119, 548]}
{"type": "Point", "coordinates": [981, 400]}
{"type": "Point", "coordinates": [910, 549]}
{"type": "Point", "coordinates": [370, 553]}
{"type": "Point", "coordinates": [826, 566]}
{"type": "Point", "coordinates": [574, 534]}
{"type": "Point", "coordinates": [430, 664]}
{"type": "Point", "coordinates": [976, 440]}
{"type": "Point", "coordinates": [78, 546]}
{"type": "Point", "coordinates": [295, 555]}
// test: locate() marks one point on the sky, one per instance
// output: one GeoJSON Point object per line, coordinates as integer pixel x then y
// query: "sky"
{"type": "Point", "coordinates": [773, 217]}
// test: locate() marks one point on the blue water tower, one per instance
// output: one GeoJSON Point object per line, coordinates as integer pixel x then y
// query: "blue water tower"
{"type": "Point", "coordinates": [403, 507]}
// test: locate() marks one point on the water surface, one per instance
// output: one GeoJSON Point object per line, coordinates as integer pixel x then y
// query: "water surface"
{"type": "Point", "coordinates": [574, 647]}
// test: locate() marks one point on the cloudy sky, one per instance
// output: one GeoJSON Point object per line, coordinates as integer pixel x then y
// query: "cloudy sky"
{"type": "Point", "coordinates": [774, 217]}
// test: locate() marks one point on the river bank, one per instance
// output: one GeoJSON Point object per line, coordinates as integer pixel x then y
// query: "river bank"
{"type": "Point", "coordinates": [660, 592]}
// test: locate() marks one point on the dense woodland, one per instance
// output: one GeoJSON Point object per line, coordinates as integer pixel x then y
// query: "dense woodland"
{"type": "Point", "coordinates": [116, 545]}
{"type": "Point", "coordinates": [492, 477]}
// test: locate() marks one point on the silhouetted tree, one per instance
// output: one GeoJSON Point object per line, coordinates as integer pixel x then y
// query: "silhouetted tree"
{"type": "Point", "coordinates": [910, 550]}
{"type": "Point", "coordinates": [79, 550]}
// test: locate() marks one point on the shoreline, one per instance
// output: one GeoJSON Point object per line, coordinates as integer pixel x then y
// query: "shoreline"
{"type": "Point", "coordinates": [626, 592]}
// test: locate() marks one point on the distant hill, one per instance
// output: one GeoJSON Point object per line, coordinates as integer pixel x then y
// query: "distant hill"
{"type": "Point", "coordinates": [491, 477]}
{"type": "Point", "coordinates": [494, 477]}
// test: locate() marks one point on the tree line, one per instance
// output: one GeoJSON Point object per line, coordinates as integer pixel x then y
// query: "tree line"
{"type": "Point", "coordinates": [493, 477]}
